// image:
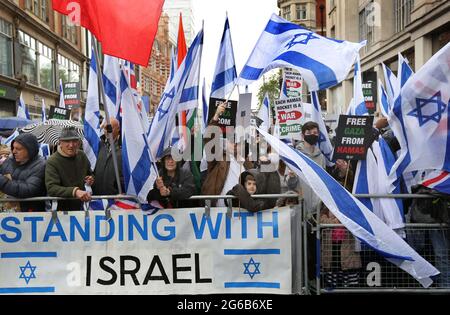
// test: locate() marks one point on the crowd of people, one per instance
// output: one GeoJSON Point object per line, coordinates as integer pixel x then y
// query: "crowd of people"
{"type": "Point", "coordinates": [67, 173]}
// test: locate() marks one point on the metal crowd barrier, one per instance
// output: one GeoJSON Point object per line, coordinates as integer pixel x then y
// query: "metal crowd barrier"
{"type": "Point", "coordinates": [347, 266]}
{"type": "Point", "coordinates": [329, 278]}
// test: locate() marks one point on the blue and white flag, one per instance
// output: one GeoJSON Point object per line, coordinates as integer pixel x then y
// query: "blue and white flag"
{"type": "Point", "coordinates": [44, 150]}
{"type": "Point", "coordinates": [43, 114]}
{"type": "Point", "coordinates": [205, 107]}
{"type": "Point", "coordinates": [91, 123]}
{"type": "Point", "coordinates": [324, 141]}
{"type": "Point", "coordinates": [437, 180]}
{"type": "Point", "coordinates": [372, 177]}
{"type": "Point", "coordinates": [264, 114]}
{"type": "Point", "coordinates": [173, 65]}
{"type": "Point", "coordinates": [392, 85]}
{"type": "Point", "coordinates": [61, 103]}
{"type": "Point", "coordinates": [323, 62]}
{"type": "Point", "coordinates": [111, 83]}
{"type": "Point", "coordinates": [385, 105]}
{"type": "Point", "coordinates": [22, 110]}
{"type": "Point", "coordinates": [138, 168]}
{"type": "Point", "coordinates": [180, 95]}
{"type": "Point", "coordinates": [420, 118]}
{"type": "Point", "coordinates": [225, 73]}
{"type": "Point", "coordinates": [7, 141]}
{"type": "Point", "coordinates": [358, 105]}
{"type": "Point", "coordinates": [359, 220]}
{"type": "Point", "coordinates": [404, 71]}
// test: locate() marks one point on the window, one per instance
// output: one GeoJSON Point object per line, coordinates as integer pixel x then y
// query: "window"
{"type": "Point", "coordinates": [38, 8]}
{"type": "Point", "coordinates": [301, 11]}
{"type": "Point", "coordinates": [46, 67]}
{"type": "Point", "coordinates": [69, 32]}
{"type": "Point", "coordinates": [402, 9]}
{"type": "Point", "coordinates": [5, 48]}
{"type": "Point", "coordinates": [29, 58]}
{"type": "Point", "coordinates": [68, 70]}
{"type": "Point", "coordinates": [286, 12]}
{"type": "Point", "coordinates": [366, 25]}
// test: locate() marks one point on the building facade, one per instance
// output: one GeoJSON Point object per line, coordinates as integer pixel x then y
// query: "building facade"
{"type": "Point", "coordinates": [154, 77]}
{"type": "Point", "coordinates": [173, 8]}
{"type": "Point", "coordinates": [37, 49]}
{"type": "Point", "coordinates": [312, 15]}
{"type": "Point", "coordinates": [415, 28]}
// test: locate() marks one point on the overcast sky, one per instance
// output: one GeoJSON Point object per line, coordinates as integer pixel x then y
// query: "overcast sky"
{"type": "Point", "coordinates": [247, 21]}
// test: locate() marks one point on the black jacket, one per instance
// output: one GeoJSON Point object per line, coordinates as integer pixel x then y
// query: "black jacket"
{"type": "Point", "coordinates": [182, 187]}
{"type": "Point", "coordinates": [27, 179]}
{"type": "Point", "coordinates": [105, 177]}
{"type": "Point", "coordinates": [266, 183]}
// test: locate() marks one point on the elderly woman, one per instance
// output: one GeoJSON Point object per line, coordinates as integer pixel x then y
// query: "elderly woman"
{"type": "Point", "coordinates": [174, 185]}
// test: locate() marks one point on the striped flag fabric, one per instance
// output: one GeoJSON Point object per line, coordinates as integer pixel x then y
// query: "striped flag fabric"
{"type": "Point", "coordinates": [437, 180]}
{"type": "Point", "coordinates": [138, 168]}
{"type": "Point", "coordinates": [91, 123]}
{"type": "Point", "coordinates": [392, 84]}
{"type": "Point", "coordinates": [43, 115]}
{"type": "Point", "coordinates": [359, 220]}
{"type": "Point", "coordinates": [358, 105]}
{"type": "Point", "coordinates": [324, 144]}
{"type": "Point", "coordinates": [181, 94]}
{"type": "Point", "coordinates": [61, 103]}
{"type": "Point", "coordinates": [22, 110]}
{"type": "Point", "coordinates": [225, 72]}
{"type": "Point", "coordinates": [385, 105]}
{"type": "Point", "coordinates": [323, 62]}
{"type": "Point", "coordinates": [404, 71]}
{"type": "Point", "coordinates": [264, 114]}
{"type": "Point", "coordinates": [111, 83]}
{"type": "Point", "coordinates": [420, 118]}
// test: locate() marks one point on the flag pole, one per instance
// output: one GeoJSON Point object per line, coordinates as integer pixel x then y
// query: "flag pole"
{"type": "Point", "coordinates": [108, 121]}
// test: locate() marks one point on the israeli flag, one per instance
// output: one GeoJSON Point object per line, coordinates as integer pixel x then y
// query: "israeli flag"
{"type": "Point", "coordinates": [44, 150]}
{"type": "Point", "coordinates": [138, 170]}
{"type": "Point", "coordinates": [420, 119]}
{"type": "Point", "coordinates": [7, 141]}
{"type": "Point", "coordinates": [359, 220]}
{"type": "Point", "coordinates": [404, 71]}
{"type": "Point", "coordinates": [111, 82]}
{"type": "Point", "coordinates": [385, 105]}
{"type": "Point", "coordinates": [264, 114]}
{"type": "Point", "coordinates": [180, 95]}
{"type": "Point", "coordinates": [358, 105]}
{"type": "Point", "coordinates": [372, 177]}
{"type": "Point", "coordinates": [22, 110]}
{"type": "Point", "coordinates": [173, 65]}
{"type": "Point", "coordinates": [91, 124]}
{"type": "Point", "coordinates": [392, 85]}
{"type": "Point", "coordinates": [324, 141]}
{"type": "Point", "coordinates": [61, 103]}
{"type": "Point", "coordinates": [225, 73]}
{"type": "Point", "coordinates": [43, 115]}
{"type": "Point", "coordinates": [323, 62]}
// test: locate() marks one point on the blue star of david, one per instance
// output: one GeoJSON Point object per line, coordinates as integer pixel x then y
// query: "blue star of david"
{"type": "Point", "coordinates": [23, 270]}
{"type": "Point", "coordinates": [163, 112]}
{"type": "Point", "coordinates": [421, 103]}
{"type": "Point", "coordinates": [304, 41]}
{"type": "Point", "coordinates": [256, 268]}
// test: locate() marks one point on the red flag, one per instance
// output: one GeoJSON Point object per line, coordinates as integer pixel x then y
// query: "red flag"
{"type": "Point", "coordinates": [126, 29]}
{"type": "Point", "coordinates": [181, 43]}
{"type": "Point", "coordinates": [182, 52]}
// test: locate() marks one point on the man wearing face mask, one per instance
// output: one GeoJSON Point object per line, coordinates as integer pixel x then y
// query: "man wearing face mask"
{"type": "Point", "coordinates": [310, 133]}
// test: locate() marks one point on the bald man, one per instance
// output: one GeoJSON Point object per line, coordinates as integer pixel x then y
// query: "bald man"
{"type": "Point", "coordinates": [105, 179]}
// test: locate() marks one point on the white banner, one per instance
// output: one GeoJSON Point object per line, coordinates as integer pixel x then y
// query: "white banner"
{"type": "Point", "coordinates": [172, 252]}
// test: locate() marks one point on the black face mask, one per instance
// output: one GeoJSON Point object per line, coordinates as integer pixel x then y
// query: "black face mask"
{"type": "Point", "coordinates": [311, 139]}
